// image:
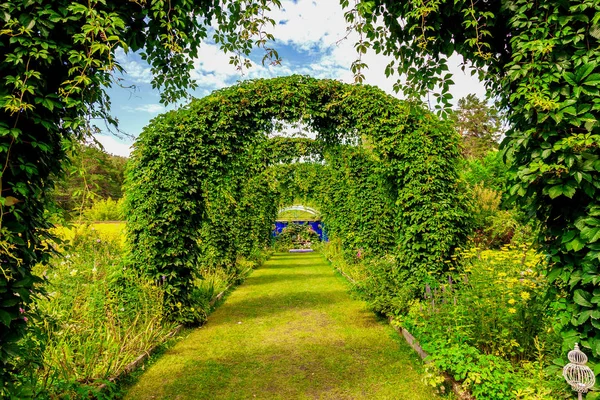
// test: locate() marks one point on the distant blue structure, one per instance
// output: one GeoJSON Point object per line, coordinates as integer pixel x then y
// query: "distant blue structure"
{"type": "Point", "coordinates": [315, 225]}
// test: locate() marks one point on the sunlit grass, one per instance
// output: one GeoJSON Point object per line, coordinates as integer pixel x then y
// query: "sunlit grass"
{"type": "Point", "coordinates": [291, 331]}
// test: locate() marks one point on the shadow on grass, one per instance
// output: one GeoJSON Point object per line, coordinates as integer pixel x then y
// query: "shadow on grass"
{"type": "Point", "coordinates": [260, 307]}
{"type": "Point", "coordinates": [282, 277]}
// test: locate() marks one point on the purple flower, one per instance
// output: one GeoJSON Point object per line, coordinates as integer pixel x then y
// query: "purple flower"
{"type": "Point", "coordinates": [25, 319]}
{"type": "Point", "coordinates": [98, 240]}
{"type": "Point", "coordinates": [164, 278]}
{"type": "Point", "coordinates": [21, 310]}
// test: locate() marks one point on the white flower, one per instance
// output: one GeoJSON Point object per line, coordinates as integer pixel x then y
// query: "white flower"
{"type": "Point", "coordinates": [73, 272]}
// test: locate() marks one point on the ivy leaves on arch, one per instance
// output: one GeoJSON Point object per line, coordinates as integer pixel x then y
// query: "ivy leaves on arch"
{"type": "Point", "coordinates": [199, 190]}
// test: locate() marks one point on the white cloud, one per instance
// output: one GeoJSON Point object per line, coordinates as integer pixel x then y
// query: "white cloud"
{"type": "Point", "coordinates": [151, 108]}
{"type": "Point", "coordinates": [212, 69]}
{"type": "Point", "coordinates": [309, 24]}
{"type": "Point", "coordinates": [137, 71]}
{"type": "Point", "coordinates": [113, 146]}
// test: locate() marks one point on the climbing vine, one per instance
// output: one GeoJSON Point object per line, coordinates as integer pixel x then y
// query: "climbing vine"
{"type": "Point", "coordinates": [189, 169]}
{"type": "Point", "coordinates": [541, 60]}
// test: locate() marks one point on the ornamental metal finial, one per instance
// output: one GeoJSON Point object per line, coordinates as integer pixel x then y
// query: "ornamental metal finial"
{"type": "Point", "coordinates": [577, 374]}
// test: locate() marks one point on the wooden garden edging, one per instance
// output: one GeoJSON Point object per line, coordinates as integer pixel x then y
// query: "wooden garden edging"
{"type": "Point", "coordinates": [460, 392]}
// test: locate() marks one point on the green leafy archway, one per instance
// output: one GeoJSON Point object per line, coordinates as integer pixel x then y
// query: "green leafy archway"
{"type": "Point", "coordinates": [200, 188]}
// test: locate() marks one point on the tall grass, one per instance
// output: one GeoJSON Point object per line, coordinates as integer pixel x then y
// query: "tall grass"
{"type": "Point", "coordinates": [98, 315]}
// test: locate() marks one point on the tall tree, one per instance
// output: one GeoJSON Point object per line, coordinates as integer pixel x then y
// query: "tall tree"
{"type": "Point", "coordinates": [479, 125]}
{"type": "Point", "coordinates": [90, 174]}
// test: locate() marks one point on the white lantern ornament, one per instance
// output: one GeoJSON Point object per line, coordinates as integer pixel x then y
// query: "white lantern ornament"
{"type": "Point", "coordinates": [578, 375]}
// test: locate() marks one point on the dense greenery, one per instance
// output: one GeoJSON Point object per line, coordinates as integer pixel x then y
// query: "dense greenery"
{"type": "Point", "coordinates": [57, 59]}
{"type": "Point", "coordinates": [98, 315]}
{"type": "Point", "coordinates": [540, 59]}
{"type": "Point", "coordinates": [190, 168]}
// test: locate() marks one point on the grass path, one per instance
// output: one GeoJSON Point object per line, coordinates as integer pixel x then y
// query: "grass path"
{"type": "Point", "coordinates": [291, 331]}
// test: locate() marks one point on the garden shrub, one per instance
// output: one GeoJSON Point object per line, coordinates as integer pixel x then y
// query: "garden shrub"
{"type": "Point", "coordinates": [490, 171]}
{"type": "Point", "coordinates": [493, 226]}
{"type": "Point", "coordinates": [105, 210]}
{"type": "Point", "coordinates": [491, 325]}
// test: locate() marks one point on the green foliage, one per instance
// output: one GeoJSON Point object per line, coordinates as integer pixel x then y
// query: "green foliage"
{"type": "Point", "coordinates": [540, 59]}
{"type": "Point", "coordinates": [105, 210]}
{"type": "Point", "coordinates": [489, 171]}
{"type": "Point", "coordinates": [96, 317]}
{"type": "Point", "coordinates": [493, 226]}
{"type": "Point", "coordinates": [57, 59]}
{"type": "Point", "coordinates": [491, 326]}
{"type": "Point", "coordinates": [192, 179]}
{"type": "Point", "coordinates": [90, 175]}
{"type": "Point", "coordinates": [357, 201]}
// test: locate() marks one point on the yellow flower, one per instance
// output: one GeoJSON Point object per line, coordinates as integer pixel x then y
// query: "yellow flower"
{"type": "Point", "coordinates": [512, 310]}
{"type": "Point", "coordinates": [525, 295]}
{"type": "Point", "coordinates": [511, 301]}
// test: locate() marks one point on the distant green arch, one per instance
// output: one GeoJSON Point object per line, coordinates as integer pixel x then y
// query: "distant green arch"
{"type": "Point", "coordinates": [296, 212]}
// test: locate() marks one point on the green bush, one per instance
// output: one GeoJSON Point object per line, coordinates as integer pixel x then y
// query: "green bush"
{"type": "Point", "coordinates": [491, 326]}
{"type": "Point", "coordinates": [490, 171]}
{"type": "Point", "coordinates": [494, 226]}
{"type": "Point", "coordinates": [105, 210]}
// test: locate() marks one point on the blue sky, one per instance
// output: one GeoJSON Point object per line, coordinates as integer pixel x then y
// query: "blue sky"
{"type": "Point", "coordinates": [308, 41]}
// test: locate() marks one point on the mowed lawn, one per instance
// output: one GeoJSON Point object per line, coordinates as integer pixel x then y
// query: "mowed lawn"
{"type": "Point", "coordinates": [292, 331]}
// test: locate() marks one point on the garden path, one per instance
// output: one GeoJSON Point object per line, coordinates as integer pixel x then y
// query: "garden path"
{"type": "Point", "coordinates": [291, 331]}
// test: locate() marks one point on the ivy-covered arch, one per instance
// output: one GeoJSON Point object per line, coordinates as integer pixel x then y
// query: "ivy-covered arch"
{"type": "Point", "coordinates": [199, 170]}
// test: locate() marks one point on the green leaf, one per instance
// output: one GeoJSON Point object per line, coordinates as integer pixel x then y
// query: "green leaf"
{"type": "Point", "coordinates": [5, 318]}
{"type": "Point", "coordinates": [570, 78]}
{"type": "Point", "coordinates": [591, 234]}
{"type": "Point", "coordinates": [592, 80]}
{"type": "Point", "coordinates": [576, 244]}
{"type": "Point", "coordinates": [558, 190]}
{"type": "Point", "coordinates": [583, 316]}
{"type": "Point", "coordinates": [582, 298]}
